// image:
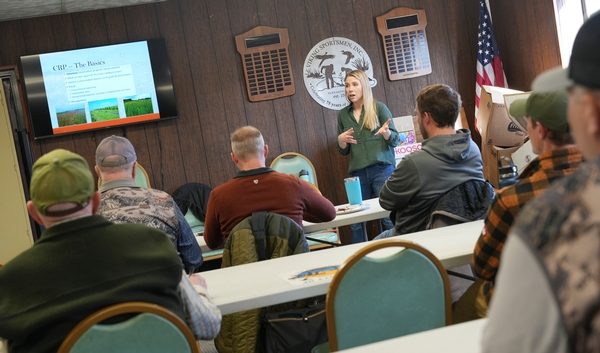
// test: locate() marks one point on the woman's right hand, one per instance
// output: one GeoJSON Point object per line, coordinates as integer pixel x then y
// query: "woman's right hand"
{"type": "Point", "coordinates": [345, 138]}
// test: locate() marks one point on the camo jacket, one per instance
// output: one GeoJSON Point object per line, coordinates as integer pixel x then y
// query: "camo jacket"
{"type": "Point", "coordinates": [562, 228]}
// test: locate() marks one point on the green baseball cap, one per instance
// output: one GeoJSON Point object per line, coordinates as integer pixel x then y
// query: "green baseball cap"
{"type": "Point", "coordinates": [549, 109]}
{"type": "Point", "coordinates": [61, 176]}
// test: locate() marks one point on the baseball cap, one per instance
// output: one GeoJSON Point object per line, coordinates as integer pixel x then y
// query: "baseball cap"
{"type": "Point", "coordinates": [61, 176]}
{"type": "Point", "coordinates": [584, 65]}
{"type": "Point", "coordinates": [550, 109]}
{"type": "Point", "coordinates": [115, 151]}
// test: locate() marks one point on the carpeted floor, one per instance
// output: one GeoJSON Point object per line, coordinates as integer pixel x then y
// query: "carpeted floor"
{"type": "Point", "coordinates": [458, 286]}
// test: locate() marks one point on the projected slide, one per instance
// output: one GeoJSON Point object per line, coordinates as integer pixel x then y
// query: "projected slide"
{"type": "Point", "coordinates": [99, 86]}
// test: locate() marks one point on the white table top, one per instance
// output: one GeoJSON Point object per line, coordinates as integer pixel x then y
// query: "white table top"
{"type": "Point", "coordinates": [263, 283]}
{"type": "Point", "coordinates": [373, 211]}
{"type": "Point", "coordinates": [463, 338]}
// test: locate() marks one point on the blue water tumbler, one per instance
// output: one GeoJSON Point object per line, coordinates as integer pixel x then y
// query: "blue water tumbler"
{"type": "Point", "coordinates": [353, 190]}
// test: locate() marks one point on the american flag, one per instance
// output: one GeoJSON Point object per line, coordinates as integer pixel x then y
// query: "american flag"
{"type": "Point", "coordinates": [489, 65]}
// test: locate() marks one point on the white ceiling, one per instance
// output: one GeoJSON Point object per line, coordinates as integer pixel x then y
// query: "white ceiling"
{"type": "Point", "coordinates": [17, 9]}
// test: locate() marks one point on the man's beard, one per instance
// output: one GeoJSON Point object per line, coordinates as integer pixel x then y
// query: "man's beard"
{"type": "Point", "coordinates": [423, 131]}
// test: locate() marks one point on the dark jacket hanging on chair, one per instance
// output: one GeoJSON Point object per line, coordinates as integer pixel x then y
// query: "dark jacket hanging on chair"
{"type": "Point", "coordinates": [193, 196]}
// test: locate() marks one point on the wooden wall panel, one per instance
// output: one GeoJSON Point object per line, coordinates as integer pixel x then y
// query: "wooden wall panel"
{"type": "Point", "coordinates": [209, 100]}
{"type": "Point", "coordinates": [439, 44]}
{"type": "Point", "coordinates": [91, 28]}
{"type": "Point", "coordinates": [115, 25]}
{"type": "Point", "coordinates": [527, 38]}
{"type": "Point", "coordinates": [461, 26]}
{"type": "Point", "coordinates": [13, 43]}
{"type": "Point", "coordinates": [210, 88]}
{"type": "Point", "coordinates": [188, 143]}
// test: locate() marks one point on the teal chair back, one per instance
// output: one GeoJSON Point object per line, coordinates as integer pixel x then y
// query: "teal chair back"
{"type": "Point", "coordinates": [293, 163]}
{"type": "Point", "coordinates": [198, 229]}
{"type": "Point", "coordinates": [372, 299]}
{"type": "Point", "coordinates": [196, 224]}
{"type": "Point", "coordinates": [141, 177]}
{"type": "Point", "coordinates": [154, 330]}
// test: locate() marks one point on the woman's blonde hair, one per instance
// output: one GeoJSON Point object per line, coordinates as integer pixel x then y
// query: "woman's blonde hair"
{"type": "Point", "coordinates": [369, 103]}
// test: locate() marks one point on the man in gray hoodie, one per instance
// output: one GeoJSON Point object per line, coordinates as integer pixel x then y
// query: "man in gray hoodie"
{"type": "Point", "coordinates": [448, 158]}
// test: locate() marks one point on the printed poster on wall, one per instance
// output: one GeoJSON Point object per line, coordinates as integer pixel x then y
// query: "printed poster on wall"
{"type": "Point", "coordinates": [408, 139]}
{"type": "Point", "coordinates": [326, 66]}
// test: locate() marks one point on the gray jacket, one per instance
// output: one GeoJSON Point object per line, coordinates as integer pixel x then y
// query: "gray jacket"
{"type": "Point", "coordinates": [422, 177]}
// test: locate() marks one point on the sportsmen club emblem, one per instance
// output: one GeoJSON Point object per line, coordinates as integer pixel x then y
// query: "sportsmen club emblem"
{"type": "Point", "coordinates": [326, 66]}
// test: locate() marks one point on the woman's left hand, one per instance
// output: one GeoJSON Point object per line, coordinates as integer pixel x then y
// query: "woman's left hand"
{"type": "Point", "coordinates": [384, 130]}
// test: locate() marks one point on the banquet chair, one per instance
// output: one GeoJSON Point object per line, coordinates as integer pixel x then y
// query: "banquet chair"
{"type": "Point", "coordinates": [141, 177]}
{"type": "Point", "coordinates": [373, 297]}
{"type": "Point", "coordinates": [259, 237]}
{"type": "Point", "coordinates": [196, 225]}
{"type": "Point", "coordinates": [474, 198]}
{"type": "Point", "coordinates": [154, 330]}
{"type": "Point", "coordinates": [198, 229]}
{"type": "Point", "coordinates": [192, 200]}
{"type": "Point", "coordinates": [293, 163]}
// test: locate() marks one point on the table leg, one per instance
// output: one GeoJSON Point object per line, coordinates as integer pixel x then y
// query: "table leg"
{"type": "Point", "coordinates": [364, 229]}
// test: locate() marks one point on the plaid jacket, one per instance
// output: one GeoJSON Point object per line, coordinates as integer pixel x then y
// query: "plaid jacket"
{"type": "Point", "coordinates": [534, 180]}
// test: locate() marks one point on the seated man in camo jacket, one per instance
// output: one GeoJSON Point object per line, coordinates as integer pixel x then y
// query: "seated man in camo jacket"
{"type": "Point", "coordinates": [125, 202]}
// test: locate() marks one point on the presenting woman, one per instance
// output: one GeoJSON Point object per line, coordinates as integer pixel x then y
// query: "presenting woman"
{"type": "Point", "coordinates": [367, 133]}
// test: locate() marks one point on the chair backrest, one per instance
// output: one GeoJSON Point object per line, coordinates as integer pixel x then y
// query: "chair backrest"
{"type": "Point", "coordinates": [293, 163]}
{"type": "Point", "coordinates": [154, 330]}
{"type": "Point", "coordinates": [196, 225]}
{"type": "Point", "coordinates": [141, 177]}
{"type": "Point", "coordinates": [374, 298]}
{"type": "Point", "coordinates": [281, 237]}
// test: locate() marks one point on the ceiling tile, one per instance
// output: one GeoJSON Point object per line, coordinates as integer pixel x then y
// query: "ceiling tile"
{"type": "Point", "coordinates": [17, 9]}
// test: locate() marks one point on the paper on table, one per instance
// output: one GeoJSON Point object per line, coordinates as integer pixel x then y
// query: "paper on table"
{"type": "Point", "coordinates": [318, 274]}
{"type": "Point", "coordinates": [350, 209]}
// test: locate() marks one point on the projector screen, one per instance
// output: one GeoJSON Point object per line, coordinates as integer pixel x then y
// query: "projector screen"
{"type": "Point", "coordinates": [100, 87]}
